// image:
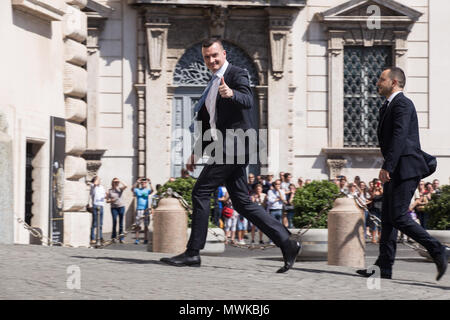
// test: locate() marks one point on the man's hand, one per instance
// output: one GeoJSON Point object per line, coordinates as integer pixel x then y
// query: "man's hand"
{"type": "Point", "coordinates": [190, 165]}
{"type": "Point", "coordinates": [224, 90]}
{"type": "Point", "coordinates": [384, 176]}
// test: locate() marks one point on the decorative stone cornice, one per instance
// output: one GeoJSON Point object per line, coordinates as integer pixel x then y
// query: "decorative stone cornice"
{"type": "Point", "coordinates": [80, 4]}
{"type": "Point", "coordinates": [93, 155]}
{"type": "Point", "coordinates": [98, 9]}
{"type": "Point", "coordinates": [340, 152]}
{"type": "Point", "coordinates": [234, 3]}
{"type": "Point", "coordinates": [49, 10]}
{"type": "Point", "coordinates": [357, 13]}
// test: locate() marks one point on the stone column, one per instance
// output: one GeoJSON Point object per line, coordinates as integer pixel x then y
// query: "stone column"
{"type": "Point", "coordinates": [261, 92]}
{"type": "Point", "coordinates": [157, 124]}
{"type": "Point", "coordinates": [93, 152]}
{"type": "Point", "coordinates": [141, 103]}
{"type": "Point", "coordinates": [95, 26]}
{"type": "Point", "coordinates": [75, 90]}
{"type": "Point", "coordinates": [6, 187]}
{"type": "Point", "coordinates": [336, 89]}
{"type": "Point", "coordinates": [280, 90]}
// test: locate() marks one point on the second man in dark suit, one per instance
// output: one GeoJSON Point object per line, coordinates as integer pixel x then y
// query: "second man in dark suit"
{"type": "Point", "coordinates": [405, 164]}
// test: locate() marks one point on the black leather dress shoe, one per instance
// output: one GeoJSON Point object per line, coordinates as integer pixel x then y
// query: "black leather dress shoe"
{"type": "Point", "coordinates": [290, 253]}
{"type": "Point", "coordinates": [366, 274]}
{"type": "Point", "coordinates": [183, 260]}
{"type": "Point", "coordinates": [441, 263]}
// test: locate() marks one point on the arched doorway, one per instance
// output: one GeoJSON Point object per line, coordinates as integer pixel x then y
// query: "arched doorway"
{"type": "Point", "coordinates": [190, 78]}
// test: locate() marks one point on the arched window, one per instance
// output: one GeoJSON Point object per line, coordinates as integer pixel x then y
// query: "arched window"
{"type": "Point", "coordinates": [191, 70]}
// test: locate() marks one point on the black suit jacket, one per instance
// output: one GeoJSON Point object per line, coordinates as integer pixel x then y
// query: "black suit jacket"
{"type": "Point", "coordinates": [231, 113]}
{"type": "Point", "coordinates": [398, 136]}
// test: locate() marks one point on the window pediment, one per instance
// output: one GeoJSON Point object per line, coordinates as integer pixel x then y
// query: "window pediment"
{"type": "Point", "coordinates": [356, 11]}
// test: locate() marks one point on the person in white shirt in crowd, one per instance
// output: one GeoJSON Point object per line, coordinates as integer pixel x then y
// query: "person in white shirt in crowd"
{"type": "Point", "coordinates": [285, 185]}
{"type": "Point", "coordinates": [97, 196]}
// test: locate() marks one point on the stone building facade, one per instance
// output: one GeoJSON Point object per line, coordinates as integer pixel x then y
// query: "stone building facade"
{"type": "Point", "coordinates": [45, 77]}
{"type": "Point", "coordinates": [129, 71]}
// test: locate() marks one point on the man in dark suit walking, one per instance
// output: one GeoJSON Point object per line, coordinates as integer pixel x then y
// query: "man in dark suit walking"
{"type": "Point", "coordinates": [225, 108]}
{"type": "Point", "coordinates": [405, 164]}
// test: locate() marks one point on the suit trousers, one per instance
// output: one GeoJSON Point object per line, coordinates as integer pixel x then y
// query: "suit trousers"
{"type": "Point", "coordinates": [394, 216]}
{"type": "Point", "coordinates": [235, 178]}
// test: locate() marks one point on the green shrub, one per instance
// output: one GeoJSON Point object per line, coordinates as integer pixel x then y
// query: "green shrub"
{"type": "Point", "coordinates": [314, 199]}
{"type": "Point", "coordinates": [182, 186]}
{"type": "Point", "coordinates": [438, 210]}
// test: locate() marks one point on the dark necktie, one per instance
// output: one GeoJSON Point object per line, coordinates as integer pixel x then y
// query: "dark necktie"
{"type": "Point", "coordinates": [383, 109]}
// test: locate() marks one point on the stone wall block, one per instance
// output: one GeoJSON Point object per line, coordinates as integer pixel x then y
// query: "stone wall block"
{"type": "Point", "coordinates": [77, 226]}
{"type": "Point", "coordinates": [75, 24]}
{"type": "Point", "coordinates": [75, 139]}
{"type": "Point", "coordinates": [76, 110]}
{"type": "Point", "coordinates": [75, 168]}
{"type": "Point", "coordinates": [75, 52]}
{"type": "Point", "coordinates": [75, 81]}
{"type": "Point", "coordinates": [75, 195]}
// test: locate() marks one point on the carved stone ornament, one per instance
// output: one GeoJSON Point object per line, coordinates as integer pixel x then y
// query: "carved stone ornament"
{"type": "Point", "coordinates": [336, 166]}
{"type": "Point", "coordinates": [218, 16]}
{"type": "Point", "coordinates": [157, 28]}
{"type": "Point", "coordinates": [278, 41]}
{"type": "Point", "coordinates": [156, 43]}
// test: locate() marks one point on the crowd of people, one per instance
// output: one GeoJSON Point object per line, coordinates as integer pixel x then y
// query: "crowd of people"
{"type": "Point", "coordinates": [145, 195]}
{"type": "Point", "coordinates": [371, 198]}
{"type": "Point", "coordinates": [276, 195]}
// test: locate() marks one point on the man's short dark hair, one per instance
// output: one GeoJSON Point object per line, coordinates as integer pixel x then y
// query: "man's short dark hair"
{"type": "Point", "coordinates": [397, 74]}
{"type": "Point", "coordinates": [210, 41]}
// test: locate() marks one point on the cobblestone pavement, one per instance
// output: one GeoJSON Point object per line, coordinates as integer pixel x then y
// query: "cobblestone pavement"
{"type": "Point", "coordinates": [38, 272]}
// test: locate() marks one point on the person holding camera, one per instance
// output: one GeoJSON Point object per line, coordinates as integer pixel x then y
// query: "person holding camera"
{"type": "Point", "coordinates": [114, 198]}
{"type": "Point", "coordinates": [142, 190]}
{"type": "Point", "coordinates": [276, 199]}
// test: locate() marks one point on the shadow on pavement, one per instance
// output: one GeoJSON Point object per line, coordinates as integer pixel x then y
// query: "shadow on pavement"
{"type": "Point", "coordinates": [425, 284]}
{"type": "Point", "coordinates": [327, 271]}
{"type": "Point", "coordinates": [136, 261]}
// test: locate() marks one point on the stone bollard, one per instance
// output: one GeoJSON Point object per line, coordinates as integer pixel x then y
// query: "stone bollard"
{"type": "Point", "coordinates": [169, 227]}
{"type": "Point", "coordinates": [346, 244]}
